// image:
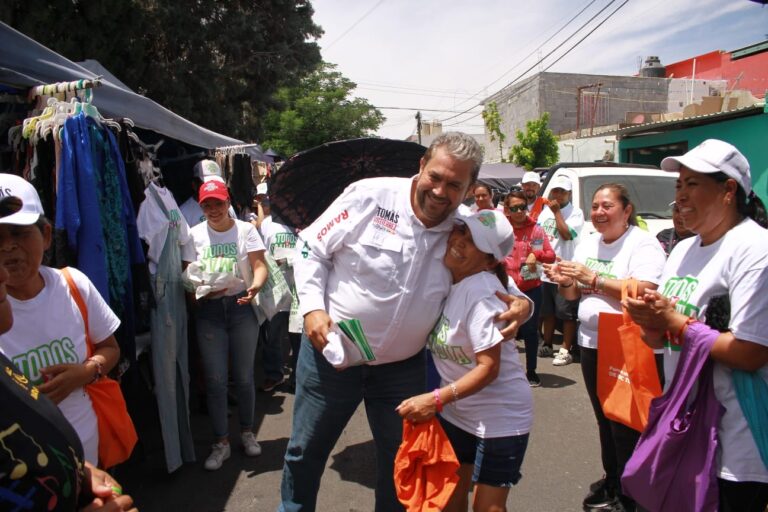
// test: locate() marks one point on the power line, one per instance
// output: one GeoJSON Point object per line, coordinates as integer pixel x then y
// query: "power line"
{"type": "Point", "coordinates": [416, 108]}
{"type": "Point", "coordinates": [550, 53]}
{"type": "Point", "coordinates": [354, 25]}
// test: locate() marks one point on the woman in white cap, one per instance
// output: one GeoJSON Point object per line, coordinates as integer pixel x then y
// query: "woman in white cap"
{"type": "Point", "coordinates": [486, 413]}
{"type": "Point", "coordinates": [47, 341]}
{"type": "Point", "coordinates": [617, 251]}
{"type": "Point", "coordinates": [719, 277]}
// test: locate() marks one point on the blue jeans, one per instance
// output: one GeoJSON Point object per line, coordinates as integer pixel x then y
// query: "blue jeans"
{"type": "Point", "coordinates": [325, 401]}
{"type": "Point", "coordinates": [273, 346]}
{"type": "Point", "coordinates": [529, 331]}
{"type": "Point", "coordinates": [227, 334]}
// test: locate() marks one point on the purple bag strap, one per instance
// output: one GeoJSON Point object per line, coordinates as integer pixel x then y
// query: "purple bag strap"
{"type": "Point", "coordinates": [699, 339]}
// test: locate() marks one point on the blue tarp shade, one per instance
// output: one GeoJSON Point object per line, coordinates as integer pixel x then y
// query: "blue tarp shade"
{"type": "Point", "coordinates": [26, 63]}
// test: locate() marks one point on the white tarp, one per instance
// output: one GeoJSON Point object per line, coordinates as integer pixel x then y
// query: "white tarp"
{"type": "Point", "coordinates": [26, 63]}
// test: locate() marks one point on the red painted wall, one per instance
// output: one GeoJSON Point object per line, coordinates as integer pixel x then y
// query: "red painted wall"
{"type": "Point", "coordinates": [719, 66]}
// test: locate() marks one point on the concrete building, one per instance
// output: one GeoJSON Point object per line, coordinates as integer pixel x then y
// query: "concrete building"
{"type": "Point", "coordinates": [580, 103]}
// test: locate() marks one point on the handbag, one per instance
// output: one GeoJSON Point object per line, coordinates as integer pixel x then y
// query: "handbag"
{"type": "Point", "coordinates": [674, 463]}
{"type": "Point", "coordinates": [627, 378]}
{"type": "Point", "coordinates": [275, 295]}
{"type": "Point", "coordinates": [117, 435]}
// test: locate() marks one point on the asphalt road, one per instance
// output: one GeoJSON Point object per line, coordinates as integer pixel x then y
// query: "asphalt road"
{"type": "Point", "coordinates": [561, 461]}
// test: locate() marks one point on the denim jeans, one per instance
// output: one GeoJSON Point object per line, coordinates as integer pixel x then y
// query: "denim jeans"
{"type": "Point", "coordinates": [227, 335]}
{"type": "Point", "coordinates": [325, 401]}
{"type": "Point", "coordinates": [273, 346]}
{"type": "Point", "coordinates": [529, 331]}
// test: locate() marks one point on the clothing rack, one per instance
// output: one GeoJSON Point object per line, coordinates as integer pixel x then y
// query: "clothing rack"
{"type": "Point", "coordinates": [62, 87]}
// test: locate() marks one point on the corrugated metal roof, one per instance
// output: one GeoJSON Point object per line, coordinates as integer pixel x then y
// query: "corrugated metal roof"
{"type": "Point", "coordinates": [715, 116]}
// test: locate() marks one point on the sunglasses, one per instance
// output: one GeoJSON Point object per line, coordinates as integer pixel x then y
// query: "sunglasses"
{"type": "Point", "coordinates": [515, 209]}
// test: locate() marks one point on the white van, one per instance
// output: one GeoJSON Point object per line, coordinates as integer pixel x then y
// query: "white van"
{"type": "Point", "coordinates": [650, 189]}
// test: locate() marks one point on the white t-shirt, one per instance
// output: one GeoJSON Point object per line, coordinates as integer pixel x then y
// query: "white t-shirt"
{"type": "Point", "coordinates": [192, 212]}
{"type": "Point", "coordinates": [48, 329]}
{"type": "Point", "coordinates": [574, 218]}
{"type": "Point", "coordinates": [636, 254]}
{"type": "Point", "coordinates": [153, 225]}
{"type": "Point", "coordinates": [227, 251]}
{"type": "Point", "coordinates": [736, 266]}
{"type": "Point", "coordinates": [505, 406]}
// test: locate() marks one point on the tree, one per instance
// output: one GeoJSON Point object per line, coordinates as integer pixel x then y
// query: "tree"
{"type": "Point", "coordinates": [318, 109]}
{"type": "Point", "coordinates": [215, 63]}
{"type": "Point", "coordinates": [537, 147]}
{"type": "Point", "coordinates": [492, 121]}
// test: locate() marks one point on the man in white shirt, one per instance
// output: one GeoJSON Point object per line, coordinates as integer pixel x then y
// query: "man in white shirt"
{"type": "Point", "coordinates": [375, 255]}
{"type": "Point", "coordinates": [531, 184]}
{"type": "Point", "coordinates": [562, 222]}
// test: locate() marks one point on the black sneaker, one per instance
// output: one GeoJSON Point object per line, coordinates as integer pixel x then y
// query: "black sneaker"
{"type": "Point", "coordinates": [533, 379]}
{"type": "Point", "coordinates": [601, 496]}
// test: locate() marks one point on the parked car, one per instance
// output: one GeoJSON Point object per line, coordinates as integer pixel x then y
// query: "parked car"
{"type": "Point", "coordinates": [651, 189]}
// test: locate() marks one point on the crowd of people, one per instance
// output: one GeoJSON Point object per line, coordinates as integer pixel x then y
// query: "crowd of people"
{"type": "Point", "coordinates": [440, 291]}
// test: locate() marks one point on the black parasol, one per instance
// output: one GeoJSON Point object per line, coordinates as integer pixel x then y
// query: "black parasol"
{"type": "Point", "coordinates": [309, 181]}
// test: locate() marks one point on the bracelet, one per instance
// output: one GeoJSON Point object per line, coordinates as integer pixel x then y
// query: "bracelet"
{"type": "Point", "coordinates": [99, 368]}
{"type": "Point", "coordinates": [567, 286]}
{"type": "Point", "coordinates": [454, 392]}
{"type": "Point", "coordinates": [681, 332]}
{"type": "Point", "coordinates": [593, 284]}
{"type": "Point", "coordinates": [438, 402]}
{"type": "Point", "coordinates": [600, 284]}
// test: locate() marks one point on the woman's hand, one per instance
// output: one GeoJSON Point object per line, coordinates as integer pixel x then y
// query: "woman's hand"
{"type": "Point", "coordinates": [419, 408]}
{"type": "Point", "coordinates": [250, 293]}
{"type": "Point", "coordinates": [553, 273]}
{"type": "Point", "coordinates": [531, 262]}
{"type": "Point", "coordinates": [652, 311]}
{"type": "Point", "coordinates": [576, 271]}
{"type": "Point", "coordinates": [63, 379]}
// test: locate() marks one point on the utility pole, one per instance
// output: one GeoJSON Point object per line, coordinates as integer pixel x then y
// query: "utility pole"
{"type": "Point", "coordinates": [418, 125]}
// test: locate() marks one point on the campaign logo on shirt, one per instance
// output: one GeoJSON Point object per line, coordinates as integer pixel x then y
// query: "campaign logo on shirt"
{"type": "Point", "coordinates": [550, 228]}
{"type": "Point", "coordinates": [386, 220]}
{"type": "Point", "coordinates": [174, 219]}
{"type": "Point", "coordinates": [438, 344]}
{"type": "Point", "coordinates": [602, 267]}
{"type": "Point", "coordinates": [220, 258]}
{"type": "Point", "coordinates": [54, 352]}
{"type": "Point", "coordinates": [284, 240]}
{"type": "Point", "coordinates": [331, 223]}
{"type": "Point", "coordinates": [681, 288]}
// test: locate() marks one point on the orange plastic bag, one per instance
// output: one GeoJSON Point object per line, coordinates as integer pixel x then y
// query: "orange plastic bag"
{"type": "Point", "coordinates": [425, 467]}
{"type": "Point", "coordinates": [117, 435]}
{"type": "Point", "coordinates": [627, 379]}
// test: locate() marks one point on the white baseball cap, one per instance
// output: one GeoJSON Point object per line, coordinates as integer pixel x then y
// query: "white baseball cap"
{"type": "Point", "coordinates": [205, 168]}
{"type": "Point", "coordinates": [561, 181]}
{"type": "Point", "coordinates": [531, 177]}
{"type": "Point", "coordinates": [261, 189]}
{"type": "Point", "coordinates": [21, 198]}
{"type": "Point", "coordinates": [713, 156]}
{"type": "Point", "coordinates": [491, 232]}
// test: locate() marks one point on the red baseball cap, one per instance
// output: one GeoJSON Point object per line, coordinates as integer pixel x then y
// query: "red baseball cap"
{"type": "Point", "coordinates": [215, 189]}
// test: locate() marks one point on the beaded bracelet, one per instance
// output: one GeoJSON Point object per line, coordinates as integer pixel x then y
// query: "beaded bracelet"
{"type": "Point", "coordinates": [99, 368]}
{"type": "Point", "coordinates": [438, 402]}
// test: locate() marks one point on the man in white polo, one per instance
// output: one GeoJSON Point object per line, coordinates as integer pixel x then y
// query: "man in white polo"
{"type": "Point", "coordinates": [375, 255]}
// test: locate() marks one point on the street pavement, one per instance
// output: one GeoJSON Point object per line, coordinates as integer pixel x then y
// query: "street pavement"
{"type": "Point", "coordinates": [562, 458]}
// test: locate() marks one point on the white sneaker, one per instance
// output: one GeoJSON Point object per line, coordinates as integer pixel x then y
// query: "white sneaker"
{"type": "Point", "coordinates": [250, 445]}
{"type": "Point", "coordinates": [562, 358]}
{"type": "Point", "coordinates": [219, 453]}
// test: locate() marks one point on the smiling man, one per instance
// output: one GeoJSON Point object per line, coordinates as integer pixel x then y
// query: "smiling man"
{"type": "Point", "coordinates": [375, 255]}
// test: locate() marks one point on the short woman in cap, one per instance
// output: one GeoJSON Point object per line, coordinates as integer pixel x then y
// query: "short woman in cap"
{"type": "Point", "coordinates": [617, 251]}
{"type": "Point", "coordinates": [47, 341]}
{"type": "Point", "coordinates": [227, 328]}
{"type": "Point", "coordinates": [486, 413]}
{"type": "Point", "coordinates": [719, 277]}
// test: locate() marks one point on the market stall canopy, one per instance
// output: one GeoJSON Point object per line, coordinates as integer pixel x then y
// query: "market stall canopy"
{"type": "Point", "coordinates": [500, 176]}
{"type": "Point", "coordinates": [26, 63]}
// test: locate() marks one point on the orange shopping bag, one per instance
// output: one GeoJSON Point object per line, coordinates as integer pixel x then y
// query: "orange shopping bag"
{"type": "Point", "coordinates": [627, 379]}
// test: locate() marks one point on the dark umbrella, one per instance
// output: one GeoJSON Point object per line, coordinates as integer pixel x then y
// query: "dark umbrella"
{"type": "Point", "coordinates": [309, 181]}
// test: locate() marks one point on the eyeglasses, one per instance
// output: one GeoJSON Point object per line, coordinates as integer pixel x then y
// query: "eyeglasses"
{"type": "Point", "coordinates": [515, 209]}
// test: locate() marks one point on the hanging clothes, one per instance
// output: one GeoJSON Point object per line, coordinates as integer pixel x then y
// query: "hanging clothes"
{"type": "Point", "coordinates": [164, 229]}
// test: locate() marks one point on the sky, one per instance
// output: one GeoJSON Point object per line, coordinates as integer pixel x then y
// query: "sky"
{"type": "Point", "coordinates": [443, 57]}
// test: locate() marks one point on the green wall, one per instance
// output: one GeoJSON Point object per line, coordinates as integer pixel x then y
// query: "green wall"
{"type": "Point", "coordinates": [749, 134]}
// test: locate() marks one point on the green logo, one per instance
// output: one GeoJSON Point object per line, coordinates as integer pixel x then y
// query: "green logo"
{"type": "Point", "coordinates": [488, 219]}
{"type": "Point", "coordinates": [305, 251]}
